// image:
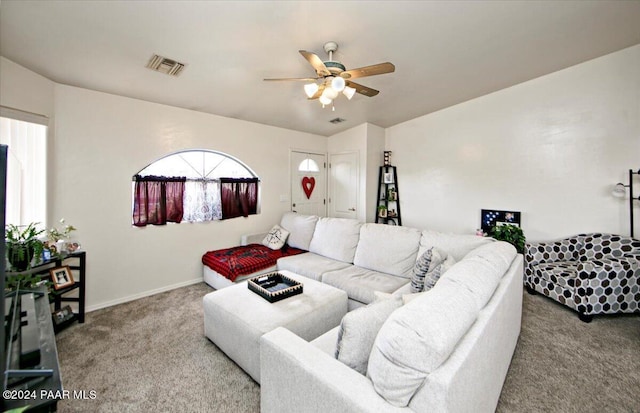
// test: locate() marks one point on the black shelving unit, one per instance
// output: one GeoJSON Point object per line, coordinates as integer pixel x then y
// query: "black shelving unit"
{"type": "Point", "coordinates": [77, 264]}
{"type": "Point", "coordinates": [388, 205]}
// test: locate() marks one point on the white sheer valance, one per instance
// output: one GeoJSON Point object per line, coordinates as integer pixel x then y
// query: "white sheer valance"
{"type": "Point", "coordinates": [202, 201]}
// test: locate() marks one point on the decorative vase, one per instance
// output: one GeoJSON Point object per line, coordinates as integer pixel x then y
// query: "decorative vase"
{"type": "Point", "coordinates": [61, 246]}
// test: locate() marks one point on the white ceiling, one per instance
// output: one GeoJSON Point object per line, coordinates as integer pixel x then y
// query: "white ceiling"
{"type": "Point", "coordinates": [445, 52]}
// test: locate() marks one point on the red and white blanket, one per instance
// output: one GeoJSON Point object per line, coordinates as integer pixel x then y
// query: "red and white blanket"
{"type": "Point", "coordinates": [245, 259]}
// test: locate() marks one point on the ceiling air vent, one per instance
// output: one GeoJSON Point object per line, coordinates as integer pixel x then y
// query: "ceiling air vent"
{"type": "Point", "coordinates": [337, 120]}
{"type": "Point", "coordinates": [164, 65]}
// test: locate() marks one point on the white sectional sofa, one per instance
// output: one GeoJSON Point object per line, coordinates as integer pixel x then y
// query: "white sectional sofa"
{"type": "Point", "coordinates": [446, 350]}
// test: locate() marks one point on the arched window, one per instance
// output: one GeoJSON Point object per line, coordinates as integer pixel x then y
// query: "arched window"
{"type": "Point", "coordinates": [194, 186]}
{"type": "Point", "coordinates": [308, 165]}
{"type": "Point", "coordinates": [199, 164]}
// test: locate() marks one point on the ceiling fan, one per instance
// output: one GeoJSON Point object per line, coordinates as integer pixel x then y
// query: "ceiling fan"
{"type": "Point", "coordinates": [333, 78]}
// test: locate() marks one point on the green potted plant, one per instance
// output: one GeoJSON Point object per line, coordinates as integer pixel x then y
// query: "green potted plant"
{"type": "Point", "coordinates": [23, 245]}
{"type": "Point", "coordinates": [510, 233]}
{"type": "Point", "coordinates": [382, 211]}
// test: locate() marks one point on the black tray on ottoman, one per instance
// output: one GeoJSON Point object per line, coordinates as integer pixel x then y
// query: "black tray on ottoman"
{"type": "Point", "coordinates": [274, 286]}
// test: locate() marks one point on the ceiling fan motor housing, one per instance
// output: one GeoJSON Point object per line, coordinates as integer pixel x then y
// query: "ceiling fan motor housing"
{"type": "Point", "coordinates": [334, 67]}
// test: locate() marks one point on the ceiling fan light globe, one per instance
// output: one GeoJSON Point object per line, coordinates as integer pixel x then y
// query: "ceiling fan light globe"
{"type": "Point", "coordinates": [330, 93]}
{"type": "Point", "coordinates": [349, 92]}
{"type": "Point", "coordinates": [325, 100]}
{"type": "Point", "coordinates": [310, 89]}
{"type": "Point", "coordinates": [338, 84]}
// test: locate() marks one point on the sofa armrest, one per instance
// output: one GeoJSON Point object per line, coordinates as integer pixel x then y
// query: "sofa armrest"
{"type": "Point", "coordinates": [253, 238]}
{"type": "Point", "coordinates": [296, 376]}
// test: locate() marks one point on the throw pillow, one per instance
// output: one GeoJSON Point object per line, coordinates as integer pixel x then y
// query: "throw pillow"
{"type": "Point", "coordinates": [276, 238]}
{"type": "Point", "coordinates": [358, 331]}
{"type": "Point", "coordinates": [427, 270]}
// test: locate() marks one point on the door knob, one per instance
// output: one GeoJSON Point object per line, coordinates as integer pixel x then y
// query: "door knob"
{"type": "Point", "coordinates": [352, 209]}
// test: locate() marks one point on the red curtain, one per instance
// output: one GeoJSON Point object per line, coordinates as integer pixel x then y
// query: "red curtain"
{"type": "Point", "coordinates": [157, 200]}
{"type": "Point", "coordinates": [239, 197]}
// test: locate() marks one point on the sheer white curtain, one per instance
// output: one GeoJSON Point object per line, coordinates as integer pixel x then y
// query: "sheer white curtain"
{"type": "Point", "coordinates": [202, 201]}
{"type": "Point", "coordinates": [26, 171]}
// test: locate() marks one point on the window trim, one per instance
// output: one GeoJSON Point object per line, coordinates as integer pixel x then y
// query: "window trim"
{"type": "Point", "coordinates": [24, 116]}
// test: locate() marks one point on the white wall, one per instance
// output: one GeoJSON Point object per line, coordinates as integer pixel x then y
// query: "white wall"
{"type": "Point", "coordinates": [102, 140]}
{"type": "Point", "coordinates": [551, 147]}
{"type": "Point", "coordinates": [25, 90]}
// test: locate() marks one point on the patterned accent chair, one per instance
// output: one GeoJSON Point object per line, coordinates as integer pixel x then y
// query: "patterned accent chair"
{"type": "Point", "coordinates": [590, 273]}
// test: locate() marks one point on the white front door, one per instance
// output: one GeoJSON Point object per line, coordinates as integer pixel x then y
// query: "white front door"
{"type": "Point", "coordinates": [343, 179]}
{"type": "Point", "coordinates": [308, 183]}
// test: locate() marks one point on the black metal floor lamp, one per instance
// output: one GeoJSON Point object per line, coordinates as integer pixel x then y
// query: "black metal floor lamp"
{"type": "Point", "coordinates": [620, 192]}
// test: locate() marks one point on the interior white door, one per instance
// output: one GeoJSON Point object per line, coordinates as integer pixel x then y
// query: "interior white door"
{"type": "Point", "coordinates": [308, 183]}
{"type": "Point", "coordinates": [343, 184]}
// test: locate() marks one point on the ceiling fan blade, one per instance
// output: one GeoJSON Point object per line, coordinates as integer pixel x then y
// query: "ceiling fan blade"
{"type": "Point", "coordinates": [363, 90]}
{"type": "Point", "coordinates": [379, 69]}
{"type": "Point", "coordinates": [316, 62]}
{"type": "Point", "coordinates": [286, 79]}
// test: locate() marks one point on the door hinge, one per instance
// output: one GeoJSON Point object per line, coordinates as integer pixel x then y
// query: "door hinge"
{"type": "Point", "coordinates": [324, 202]}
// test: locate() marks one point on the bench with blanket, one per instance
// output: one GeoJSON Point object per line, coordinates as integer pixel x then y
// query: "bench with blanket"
{"type": "Point", "coordinates": [258, 253]}
{"type": "Point", "coordinates": [245, 259]}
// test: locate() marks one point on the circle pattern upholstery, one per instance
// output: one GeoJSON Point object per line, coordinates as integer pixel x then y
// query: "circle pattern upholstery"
{"type": "Point", "coordinates": [590, 273]}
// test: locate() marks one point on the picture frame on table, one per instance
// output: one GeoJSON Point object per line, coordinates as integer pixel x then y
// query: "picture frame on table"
{"type": "Point", "coordinates": [387, 178]}
{"type": "Point", "coordinates": [61, 277]}
{"type": "Point", "coordinates": [62, 315]}
{"type": "Point", "coordinates": [490, 218]}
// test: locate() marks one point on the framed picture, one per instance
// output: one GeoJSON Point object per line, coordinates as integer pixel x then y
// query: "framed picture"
{"type": "Point", "coordinates": [387, 178]}
{"type": "Point", "coordinates": [62, 315]}
{"type": "Point", "coordinates": [387, 158]}
{"type": "Point", "coordinates": [61, 277]}
{"type": "Point", "coordinates": [490, 218]}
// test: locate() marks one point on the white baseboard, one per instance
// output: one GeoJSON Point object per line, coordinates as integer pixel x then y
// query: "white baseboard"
{"type": "Point", "coordinates": [123, 300]}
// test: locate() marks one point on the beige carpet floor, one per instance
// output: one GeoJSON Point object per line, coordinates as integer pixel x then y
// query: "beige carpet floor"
{"type": "Point", "coordinates": [150, 355]}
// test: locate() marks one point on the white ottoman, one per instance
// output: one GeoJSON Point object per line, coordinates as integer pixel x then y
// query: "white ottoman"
{"type": "Point", "coordinates": [235, 318]}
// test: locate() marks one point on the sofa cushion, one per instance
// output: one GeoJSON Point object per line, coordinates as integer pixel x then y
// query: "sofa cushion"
{"type": "Point", "coordinates": [336, 238]}
{"type": "Point", "coordinates": [358, 330]}
{"type": "Point", "coordinates": [428, 268]}
{"type": "Point", "coordinates": [301, 228]}
{"type": "Point", "coordinates": [310, 265]}
{"type": "Point", "coordinates": [388, 249]}
{"type": "Point", "coordinates": [481, 270]}
{"type": "Point", "coordinates": [360, 283]}
{"type": "Point", "coordinates": [417, 338]}
{"type": "Point", "coordinates": [562, 274]}
{"type": "Point", "coordinates": [275, 238]}
{"type": "Point", "coordinates": [456, 245]}
{"type": "Point", "coordinates": [500, 254]}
